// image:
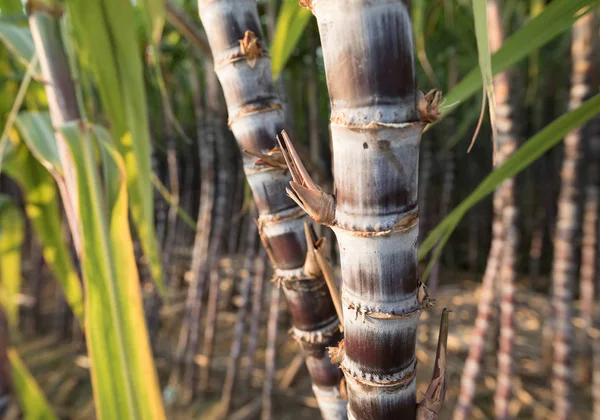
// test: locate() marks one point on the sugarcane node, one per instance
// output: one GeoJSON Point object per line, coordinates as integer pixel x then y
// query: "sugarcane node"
{"type": "Point", "coordinates": [372, 380]}
{"type": "Point", "coordinates": [364, 312]}
{"type": "Point", "coordinates": [337, 354]}
{"type": "Point", "coordinates": [428, 105]}
{"type": "Point", "coordinates": [248, 110]}
{"type": "Point", "coordinates": [251, 48]}
{"type": "Point", "coordinates": [33, 6]}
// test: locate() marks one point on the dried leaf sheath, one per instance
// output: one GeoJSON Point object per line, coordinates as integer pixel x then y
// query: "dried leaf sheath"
{"type": "Point", "coordinates": [376, 128]}
{"type": "Point", "coordinates": [255, 117]}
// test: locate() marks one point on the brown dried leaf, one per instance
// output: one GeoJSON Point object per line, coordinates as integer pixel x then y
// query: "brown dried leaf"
{"type": "Point", "coordinates": [337, 354]}
{"type": "Point", "coordinates": [430, 407]}
{"type": "Point", "coordinates": [428, 105]}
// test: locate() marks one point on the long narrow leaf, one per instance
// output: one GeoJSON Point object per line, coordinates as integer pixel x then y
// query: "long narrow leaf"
{"type": "Point", "coordinates": [11, 240]}
{"type": "Point", "coordinates": [556, 18]}
{"type": "Point", "coordinates": [31, 398]}
{"type": "Point", "coordinates": [43, 211]}
{"type": "Point", "coordinates": [123, 373]}
{"type": "Point", "coordinates": [106, 33]}
{"type": "Point", "coordinates": [521, 159]}
{"type": "Point", "coordinates": [485, 59]}
{"type": "Point", "coordinates": [18, 40]}
{"type": "Point", "coordinates": [291, 23]}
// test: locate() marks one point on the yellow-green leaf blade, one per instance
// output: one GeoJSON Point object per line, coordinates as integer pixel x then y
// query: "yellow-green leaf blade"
{"type": "Point", "coordinates": [11, 240]}
{"type": "Point", "coordinates": [291, 23]}
{"type": "Point", "coordinates": [43, 211]}
{"type": "Point", "coordinates": [123, 373]}
{"type": "Point", "coordinates": [31, 398]}
{"type": "Point", "coordinates": [106, 31]}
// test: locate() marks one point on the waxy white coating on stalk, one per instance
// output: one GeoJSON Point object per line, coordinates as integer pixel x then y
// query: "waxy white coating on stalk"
{"type": "Point", "coordinates": [255, 117]}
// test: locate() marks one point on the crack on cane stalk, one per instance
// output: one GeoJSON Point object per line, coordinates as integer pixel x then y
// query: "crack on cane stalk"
{"type": "Point", "coordinates": [248, 110]}
{"type": "Point", "coordinates": [395, 382]}
{"type": "Point", "coordinates": [319, 205]}
{"type": "Point", "coordinates": [364, 312]}
{"type": "Point", "coordinates": [429, 408]}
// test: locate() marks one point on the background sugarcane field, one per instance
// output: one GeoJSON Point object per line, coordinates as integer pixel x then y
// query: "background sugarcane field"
{"type": "Point", "coordinates": [284, 209]}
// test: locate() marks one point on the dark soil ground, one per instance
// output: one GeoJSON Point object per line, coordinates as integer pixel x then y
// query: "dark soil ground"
{"type": "Point", "coordinates": [63, 372]}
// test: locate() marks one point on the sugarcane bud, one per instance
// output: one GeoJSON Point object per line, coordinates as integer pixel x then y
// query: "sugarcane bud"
{"type": "Point", "coordinates": [273, 158]}
{"type": "Point", "coordinates": [429, 408]}
{"type": "Point", "coordinates": [251, 48]}
{"type": "Point", "coordinates": [428, 105]}
{"type": "Point", "coordinates": [319, 205]}
{"type": "Point", "coordinates": [337, 354]}
{"type": "Point", "coordinates": [423, 297]}
{"type": "Point", "coordinates": [311, 265]}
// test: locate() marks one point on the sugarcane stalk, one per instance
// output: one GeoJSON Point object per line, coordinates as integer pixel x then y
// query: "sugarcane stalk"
{"type": "Point", "coordinates": [564, 266]}
{"type": "Point", "coordinates": [506, 145]}
{"type": "Point", "coordinates": [223, 191]}
{"type": "Point", "coordinates": [270, 363]}
{"type": "Point", "coordinates": [188, 335]}
{"type": "Point", "coordinates": [260, 273]}
{"type": "Point", "coordinates": [44, 23]}
{"type": "Point", "coordinates": [239, 329]}
{"type": "Point", "coordinates": [255, 117]}
{"type": "Point", "coordinates": [376, 122]}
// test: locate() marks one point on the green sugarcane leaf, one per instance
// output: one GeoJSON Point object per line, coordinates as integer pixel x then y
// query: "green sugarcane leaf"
{"type": "Point", "coordinates": [556, 18]}
{"type": "Point", "coordinates": [517, 162]}
{"type": "Point", "coordinates": [11, 239]}
{"type": "Point", "coordinates": [18, 41]}
{"type": "Point", "coordinates": [154, 13]}
{"type": "Point", "coordinates": [485, 59]}
{"type": "Point", "coordinates": [32, 400]}
{"type": "Point", "coordinates": [106, 33]}
{"type": "Point", "coordinates": [38, 134]}
{"type": "Point", "coordinates": [124, 378]}
{"type": "Point", "coordinates": [291, 22]}
{"type": "Point", "coordinates": [8, 7]}
{"type": "Point", "coordinates": [43, 211]}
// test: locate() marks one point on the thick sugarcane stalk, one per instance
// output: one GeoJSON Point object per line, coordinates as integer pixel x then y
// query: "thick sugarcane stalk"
{"type": "Point", "coordinates": [255, 117]}
{"type": "Point", "coordinates": [564, 266]}
{"type": "Point", "coordinates": [506, 145]}
{"type": "Point", "coordinates": [376, 123]}
{"type": "Point", "coordinates": [240, 324]}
